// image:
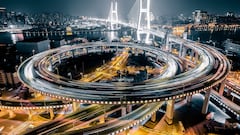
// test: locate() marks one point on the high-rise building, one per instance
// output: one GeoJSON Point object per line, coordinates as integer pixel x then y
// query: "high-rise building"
{"type": "Point", "coordinates": [200, 17]}
{"type": "Point", "coordinates": [3, 15]}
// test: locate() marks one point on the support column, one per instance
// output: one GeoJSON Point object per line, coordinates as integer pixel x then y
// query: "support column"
{"type": "Point", "coordinates": [189, 98]}
{"type": "Point", "coordinates": [129, 108]}
{"type": "Point", "coordinates": [51, 66]}
{"type": "Point", "coordinates": [222, 86]}
{"type": "Point", "coordinates": [154, 117]}
{"type": "Point", "coordinates": [59, 59]}
{"type": "Point", "coordinates": [75, 106]}
{"type": "Point", "coordinates": [124, 111]}
{"type": "Point", "coordinates": [170, 48]}
{"type": "Point", "coordinates": [167, 44]}
{"type": "Point", "coordinates": [73, 53]}
{"type": "Point", "coordinates": [184, 51]}
{"type": "Point", "coordinates": [170, 112]}
{"type": "Point", "coordinates": [51, 113]}
{"type": "Point", "coordinates": [206, 102]}
{"type": "Point", "coordinates": [192, 55]}
{"type": "Point", "coordinates": [180, 50]}
{"type": "Point", "coordinates": [30, 115]}
{"type": "Point", "coordinates": [196, 58]}
{"type": "Point", "coordinates": [13, 82]}
{"type": "Point", "coordinates": [229, 92]}
{"type": "Point", "coordinates": [127, 132]}
{"type": "Point", "coordinates": [102, 119]}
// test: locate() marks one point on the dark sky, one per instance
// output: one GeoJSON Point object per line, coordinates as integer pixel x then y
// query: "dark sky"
{"type": "Point", "coordinates": [101, 7]}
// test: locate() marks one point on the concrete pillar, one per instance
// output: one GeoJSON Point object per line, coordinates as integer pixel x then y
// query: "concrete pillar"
{"type": "Point", "coordinates": [124, 111]}
{"type": "Point", "coordinates": [154, 117]}
{"type": "Point", "coordinates": [127, 132]}
{"type": "Point", "coordinates": [192, 55]}
{"type": "Point", "coordinates": [75, 106]}
{"type": "Point", "coordinates": [51, 113]}
{"type": "Point", "coordinates": [184, 51]}
{"type": "Point", "coordinates": [170, 48]}
{"type": "Point", "coordinates": [206, 102]}
{"type": "Point", "coordinates": [59, 59]}
{"type": "Point", "coordinates": [116, 48]}
{"type": "Point", "coordinates": [102, 119]}
{"type": "Point", "coordinates": [229, 92]}
{"type": "Point", "coordinates": [196, 58]}
{"type": "Point", "coordinates": [13, 82]}
{"type": "Point", "coordinates": [73, 53]}
{"type": "Point", "coordinates": [222, 86]}
{"type": "Point", "coordinates": [189, 98]}
{"type": "Point", "coordinates": [11, 114]}
{"type": "Point", "coordinates": [167, 44]}
{"type": "Point", "coordinates": [50, 65]}
{"type": "Point", "coordinates": [30, 115]}
{"type": "Point", "coordinates": [129, 108]}
{"type": "Point", "coordinates": [170, 112]}
{"type": "Point", "coordinates": [180, 50]}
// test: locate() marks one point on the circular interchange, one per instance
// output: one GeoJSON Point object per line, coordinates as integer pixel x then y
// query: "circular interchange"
{"type": "Point", "coordinates": [211, 70]}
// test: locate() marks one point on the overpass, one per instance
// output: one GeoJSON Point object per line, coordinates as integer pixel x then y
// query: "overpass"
{"type": "Point", "coordinates": [210, 69]}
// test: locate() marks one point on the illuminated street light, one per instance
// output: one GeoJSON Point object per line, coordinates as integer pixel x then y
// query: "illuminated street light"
{"type": "Point", "coordinates": [56, 68]}
{"type": "Point", "coordinates": [21, 59]}
{"type": "Point", "coordinates": [70, 75]}
{"type": "Point", "coordinates": [33, 52]}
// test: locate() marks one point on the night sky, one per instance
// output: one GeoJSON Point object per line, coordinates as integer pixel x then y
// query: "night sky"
{"type": "Point", "coordinates": [100, 8]}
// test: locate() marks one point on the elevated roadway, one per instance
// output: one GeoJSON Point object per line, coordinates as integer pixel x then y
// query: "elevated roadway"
{"type": "Point", "coordinates": [211, 69]}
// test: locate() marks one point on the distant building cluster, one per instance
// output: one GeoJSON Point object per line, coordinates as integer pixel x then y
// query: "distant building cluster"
{"type": "Point", "coordinates": [52, 19]}
{"type": "Point", "coordinates": [203, 17]}
{"type": "Point", "coordinates": [231, 48]}
{"type": "Point", "coordinates": [12, 18]}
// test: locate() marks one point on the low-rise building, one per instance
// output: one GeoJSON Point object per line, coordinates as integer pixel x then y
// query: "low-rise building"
{"type": "Point", "coordinates": [33, 46]}
{"type": "Point", "coordinates": [231, 48]}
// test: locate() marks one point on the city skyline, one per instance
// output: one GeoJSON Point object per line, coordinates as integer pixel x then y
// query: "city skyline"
{"type": "Point", "coordinates": [98, 8]}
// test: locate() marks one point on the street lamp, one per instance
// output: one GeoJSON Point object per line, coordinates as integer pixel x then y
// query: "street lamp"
{"type": "Point", "coordinates": [21, 59]}
{"type": "Point", "coordinates": [83, 66]}
{"type": "Point", "coordinates": [16, 67]}
{"type": "Point", "coordinates": [81, 75]}
{"type": "Point", "coordinates": [56, 68]}
{"type": "Point", "coordinates": [33, 52]}
{"type": "Point", "coordinates": [75, 68]}
{"type": "Point", "coordinates": [70, 75]}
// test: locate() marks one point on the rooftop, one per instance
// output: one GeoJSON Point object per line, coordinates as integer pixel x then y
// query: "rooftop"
{"type": "Point", "coordinates": [34, 40]}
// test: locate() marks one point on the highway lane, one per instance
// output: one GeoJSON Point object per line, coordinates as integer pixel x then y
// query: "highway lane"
{"type": "Point", "coordinates": [56, 122]}
{"type": "Point", "coordinates": [134, 118]}
{"type": "Point", "coordinates": [169, 86]}
{"type": "Point", "coordinates": [156, 87]}
{"type": "Point", "coordinates": [82, 116]}
{"type": "Point", "coordinates": [233, 87]}
{"type": "Point", "coordinates": [210, 71]}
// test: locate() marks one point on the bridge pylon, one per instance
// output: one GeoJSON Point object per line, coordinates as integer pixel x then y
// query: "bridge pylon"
{"type": "Point", "coordinates": [144, 23]}
{"type": "Point", "coordinates": [113, 15]}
